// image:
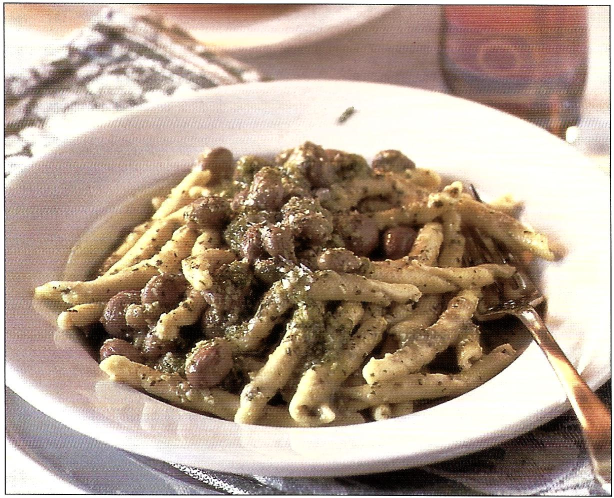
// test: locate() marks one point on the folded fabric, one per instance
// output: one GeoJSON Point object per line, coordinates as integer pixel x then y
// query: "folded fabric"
{"type": "Point", "coordinates": [119, 61]}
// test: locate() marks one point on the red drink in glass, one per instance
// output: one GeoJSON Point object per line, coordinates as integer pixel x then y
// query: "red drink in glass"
{"type": "Point", "coordinates": [528, 60]}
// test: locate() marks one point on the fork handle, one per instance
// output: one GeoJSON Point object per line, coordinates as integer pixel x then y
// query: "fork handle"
{"type": "Point", "coordinates": [595, 418]}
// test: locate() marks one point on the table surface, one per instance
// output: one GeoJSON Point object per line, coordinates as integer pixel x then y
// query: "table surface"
{"type": "Point", "coordinates": [400, 47]}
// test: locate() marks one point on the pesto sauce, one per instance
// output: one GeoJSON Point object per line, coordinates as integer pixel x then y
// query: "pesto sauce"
{"type": "Point", "coordinates": [246, 168]}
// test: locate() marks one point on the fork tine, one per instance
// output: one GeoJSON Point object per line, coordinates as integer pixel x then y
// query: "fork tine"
{"type": "Point", "coordinates": [500, 297]}
{"type": "Point", "coordinates": [492, 295]}
{"type": "Point", "coordinates": [474, 192]}
{"type": "Point", "coordinates": [472, 255]}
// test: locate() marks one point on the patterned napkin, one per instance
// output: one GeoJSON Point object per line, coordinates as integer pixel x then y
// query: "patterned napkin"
{"type": "Point", "coordinates": [121, 60]}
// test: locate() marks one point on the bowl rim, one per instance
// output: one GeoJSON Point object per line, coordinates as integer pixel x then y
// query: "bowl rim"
{"type": "Point", "coordinates": [45, 401]}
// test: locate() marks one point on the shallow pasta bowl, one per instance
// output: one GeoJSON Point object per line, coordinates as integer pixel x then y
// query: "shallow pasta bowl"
{"type": "Point", "coordinates": [86, 190]}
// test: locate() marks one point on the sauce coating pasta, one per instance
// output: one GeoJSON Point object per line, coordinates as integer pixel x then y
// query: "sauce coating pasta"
{"type": "Point", "coordinates": [311, 289]}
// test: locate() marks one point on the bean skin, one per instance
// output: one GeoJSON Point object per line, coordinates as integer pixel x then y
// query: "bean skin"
{"type": "Point", "coordinates": [114, 315]}
{"type": "Point", "coordinates": [153, 348]}
{"type": "Point", "coordinates": [208, 212]}
{"type": "Point", "coordinates": [251, 244]}
{"type": "Point", "coordinates": [307, 220]}
{"type": "Point", "coordinates": [398, 241]}
{"type": "Point", "coordinates": [239, 199]}
{"type": "Point", "coordinates": [120, 347]}
{"type": "Point", "coordinates": [360, 233]}
{"type": "Point", "coordinates": [219, 161]}
{"type": "Point", "coordinates": [320, 171]}
{"type": "Point", "coordinates": [321, 174]}
{"type": "Point", "coordinates": [278, 242]}
{"type": "Point", "coordinates": [167, 290]}
{"type": "Point", "coordinates": [266, 191]}
{"type": "Point", "coordinates": [316, 229]}
{"type": "Point", "coordinates": [308, 160]}
{"type": "Point", "coordinates": [209, 365]}
{"type": "Point", "coordinates": [392, 160]}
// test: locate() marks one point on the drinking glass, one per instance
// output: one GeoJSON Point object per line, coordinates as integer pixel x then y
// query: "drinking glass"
{"type": "Point", "coordinates": [527, 60]}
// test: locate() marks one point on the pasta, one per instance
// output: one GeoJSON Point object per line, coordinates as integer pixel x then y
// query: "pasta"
{"type": "Point", "coordinates": [422, 347]}
{"type": "Point", "coordinates": [275, 373]}
{"type": "Point", "coordinates": [312, 397]}
{"type": "Point", "coordinates": [419, 386]}
{"type": "Point", "coordinates": [307, 290]}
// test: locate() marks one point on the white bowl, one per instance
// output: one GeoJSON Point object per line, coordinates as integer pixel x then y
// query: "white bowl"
{"type": "Point", "coordinates": [52, 204]}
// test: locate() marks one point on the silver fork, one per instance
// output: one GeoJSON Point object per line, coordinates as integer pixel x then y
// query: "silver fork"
{"type": "Point", "coordinates": [518, 296]}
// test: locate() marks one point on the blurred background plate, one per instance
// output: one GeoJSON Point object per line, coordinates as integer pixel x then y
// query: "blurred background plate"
{"type": "Point", "coordinates": [239, 28]}
{"type": "Point", "coordinates": [262, 27]}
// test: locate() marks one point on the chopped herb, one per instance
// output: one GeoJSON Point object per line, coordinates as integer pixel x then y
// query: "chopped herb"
{"type": "Point", "coordinates": [346, 115]}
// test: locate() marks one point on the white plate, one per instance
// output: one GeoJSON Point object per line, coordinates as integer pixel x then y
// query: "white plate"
{"type": "Point", "coordinates": [260, 28]}
{"type": "Point", "coordinates": [52, 204]}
